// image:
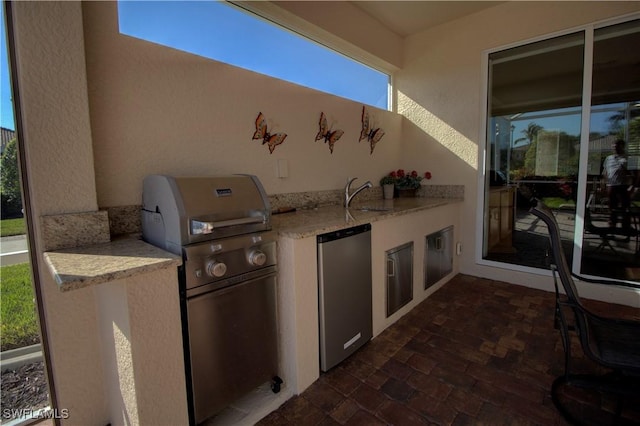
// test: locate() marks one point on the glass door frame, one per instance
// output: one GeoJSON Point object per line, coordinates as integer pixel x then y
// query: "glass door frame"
{"type": "Point", "coordinates": [28, 209]}
{"type": "Point", "coordinates": [485, 149]}
{"type": "Point", "coordinates": [585, 125]}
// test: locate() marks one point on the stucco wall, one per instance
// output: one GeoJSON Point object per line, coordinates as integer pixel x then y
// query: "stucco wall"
{"type": "Point", "coordinates": [440, 92]}
{"type": "Point", "coordinates": [352, 24]}
{"type": "Point", "coordinates": [159, 110]}
{"type": "Point", "coordinates": [142, 350]}
{"type": "Point", "coordinates": [57, 138]}
{"type": "Point", "coordinates": [155, 110]}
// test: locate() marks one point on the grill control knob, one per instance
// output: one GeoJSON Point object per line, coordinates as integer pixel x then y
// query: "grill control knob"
{"type": "Point", "coordinates": [216, 269]}
{"type": "Point", "coordinates": [257, 258]}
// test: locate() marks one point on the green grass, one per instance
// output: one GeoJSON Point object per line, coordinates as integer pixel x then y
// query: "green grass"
{"type": "Point", "coordinates": [19, 325]}
{"type": "Point", "coordinates": [556, 202]}
{"type": "Point", "coordinates": [10, 227]}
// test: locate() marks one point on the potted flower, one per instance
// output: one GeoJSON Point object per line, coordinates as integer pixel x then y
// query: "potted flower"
{"type": "Point", "coordinates": [408, 183]}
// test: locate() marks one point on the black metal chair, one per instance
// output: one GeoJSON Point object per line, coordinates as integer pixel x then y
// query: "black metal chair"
{"type": "Point", "coordinates": [611, 343]}
{"type": "Point", "coordinates": [610, 233]}
{"type": "Point", "coordinates": [604, 233]}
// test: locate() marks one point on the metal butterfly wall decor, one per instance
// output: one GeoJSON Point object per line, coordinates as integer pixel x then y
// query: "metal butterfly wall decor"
{"type": "Point", "coordinates": [262, 133]}
{"type": "Point", "coordinates": [368, 132]}
{"type": "Point", "coordinates": [330, 137]}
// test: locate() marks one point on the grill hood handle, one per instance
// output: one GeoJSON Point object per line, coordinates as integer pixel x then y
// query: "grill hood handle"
{"type": "Point", "coordinates": [199, 227]}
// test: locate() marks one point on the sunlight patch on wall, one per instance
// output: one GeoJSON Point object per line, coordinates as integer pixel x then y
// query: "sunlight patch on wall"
{"type": "Point", "coordinates": [126, 377]}
{"type": "Point", "coordinates": [433, 126]}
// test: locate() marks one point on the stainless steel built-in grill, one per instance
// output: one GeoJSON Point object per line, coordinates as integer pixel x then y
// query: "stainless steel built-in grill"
{"type": "Point", "coordinates": [221, 227]}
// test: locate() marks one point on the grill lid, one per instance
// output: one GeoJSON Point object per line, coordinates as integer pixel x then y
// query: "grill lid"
{"type": "Point", "coordinates": [177, 211]}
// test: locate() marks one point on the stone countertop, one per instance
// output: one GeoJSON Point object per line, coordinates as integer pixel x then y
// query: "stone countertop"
{"type": "Point", "coordinates": [311, 222]}
{"type": "Point", "coordinates": [96, 264]}
{"type": "Point", "coordinates": [75, 268]}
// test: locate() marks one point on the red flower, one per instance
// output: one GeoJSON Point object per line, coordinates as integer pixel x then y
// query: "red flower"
{"type": "Point", "coordinates": [566, 189]}
{"type": "Point", "coordinates": [404, 180]}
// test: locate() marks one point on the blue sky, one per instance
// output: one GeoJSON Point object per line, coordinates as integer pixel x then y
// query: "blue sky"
{"type": "Point", "coordinates": [5, 87]}
{"type": "Point", "coordinates": [216, 30]}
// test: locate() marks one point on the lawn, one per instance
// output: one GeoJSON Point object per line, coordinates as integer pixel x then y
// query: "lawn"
{"type": "Point", "coordinates": [10, 227]}
{"type": "Point", "coordinates": [19, 326]}
{"type": "Point", "coordinates": [557, 202]}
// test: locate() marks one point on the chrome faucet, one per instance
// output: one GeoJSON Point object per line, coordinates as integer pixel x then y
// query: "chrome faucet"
{"type": "Point", "coordinates": [348, 197]}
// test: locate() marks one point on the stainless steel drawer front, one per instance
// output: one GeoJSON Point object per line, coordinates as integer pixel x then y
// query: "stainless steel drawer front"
{"type": "Point", "coordinates": [233, 343]}
{"type": "Point", "coordinates": [399, 277]}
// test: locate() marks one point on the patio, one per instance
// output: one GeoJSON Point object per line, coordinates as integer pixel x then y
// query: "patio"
{"type": "Point", "coordinates": [476, 352]}
{"type": "Point", "coordinates": [619, 259]}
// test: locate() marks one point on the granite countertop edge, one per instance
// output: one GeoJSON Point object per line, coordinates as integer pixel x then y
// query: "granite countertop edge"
{"type": "Point", "coordinates": [81, 267]}
{"type": "Point", "coordinates": [312, 222]}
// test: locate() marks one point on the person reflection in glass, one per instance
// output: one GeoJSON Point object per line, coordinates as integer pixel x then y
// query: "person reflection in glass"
{"type": "Point", "coordinates": [618, 190]}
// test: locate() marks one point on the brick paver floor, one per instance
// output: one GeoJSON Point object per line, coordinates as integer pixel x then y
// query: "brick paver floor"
{"type": "Point", "coordinates": [475, 352]}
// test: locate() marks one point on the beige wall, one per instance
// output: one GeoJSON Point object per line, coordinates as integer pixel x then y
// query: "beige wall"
{"type": "Point", "coordinates": [57, 135]}
{"type": "Point", "coordinates": [142, 350]}
{"type": "Point", "coordinates": [137, 108]}
{"type": "Point", "coordinates": [158, 110]}
{"type": "Point", "coordinates": [350, 23]}
{"type": "Point", "coordinates": [440, 92]}
{"type": "Point", "coordinates": [154, 110]}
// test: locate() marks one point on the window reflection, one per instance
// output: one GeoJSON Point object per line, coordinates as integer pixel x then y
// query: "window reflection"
{"type": "Point", "coordinates": [535, 120]}
{"type": "Point", "coordinates": [610, 242]}
{"type": "Point", "coordinates": [534, 144]}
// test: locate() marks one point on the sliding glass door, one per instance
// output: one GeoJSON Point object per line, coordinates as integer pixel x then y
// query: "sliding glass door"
{"type": "Point", "coordinates": [539, 96]}
{"type": "Point", "coordinates": [534, 132]}
{"type": "Point", "coordinates": [610, 238]}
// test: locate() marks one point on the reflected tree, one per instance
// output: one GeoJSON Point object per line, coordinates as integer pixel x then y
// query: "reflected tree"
{"type": "Point", "coordinates": [10, 181]}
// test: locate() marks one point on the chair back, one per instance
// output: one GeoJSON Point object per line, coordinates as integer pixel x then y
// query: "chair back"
{"type": "Point", "coordinates": [588, 222]}
{"type": "Point", "coordinates": [609, 342]}
{"type": "Point", "coordinates": [564, 272]}
{"type": "Point", "coordinates": [589, 226]}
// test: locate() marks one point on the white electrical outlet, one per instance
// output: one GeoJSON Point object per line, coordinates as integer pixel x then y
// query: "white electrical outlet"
{"type": "Point", "coordinates": [283, 168]}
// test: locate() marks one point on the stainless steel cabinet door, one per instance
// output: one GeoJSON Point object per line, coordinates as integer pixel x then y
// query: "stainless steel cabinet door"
{"type": "Point", "coordinates": [232, 343]}
{"type": "Point", "coordinates": [438, 255]}
{"type": "Point", "coordinates": [399, 277]}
